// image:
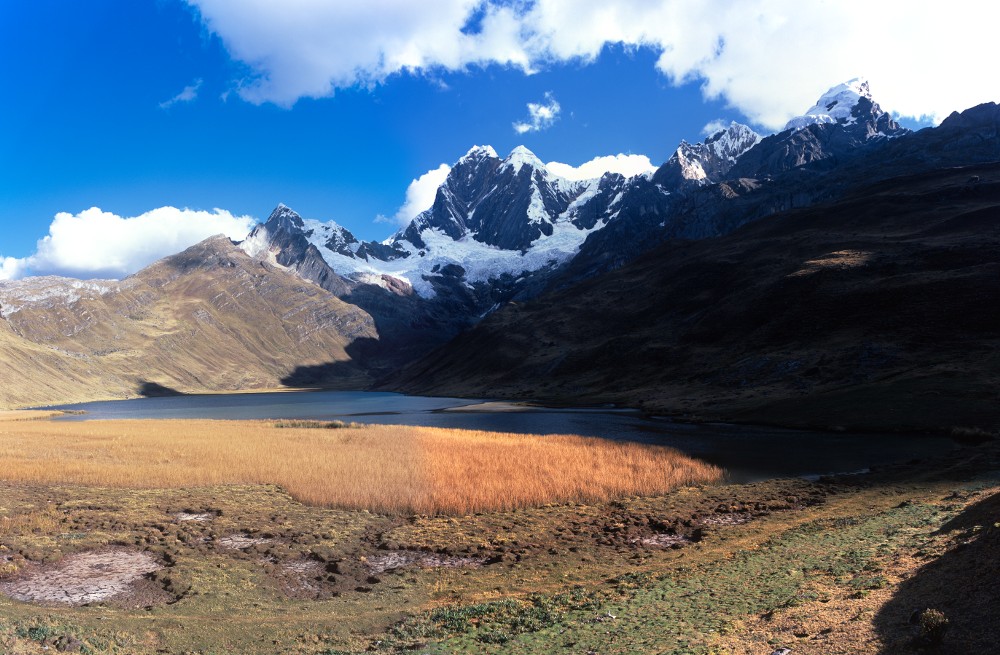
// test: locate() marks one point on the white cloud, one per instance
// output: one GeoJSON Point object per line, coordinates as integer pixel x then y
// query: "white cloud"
{"type": "Point", "coordinates": [308, 48]}
{"type": "Point", "coordinates": [11, 268]}
{"type": "Point", "coordinates": [713, 127]}
{"type": "Point", "coordinates": [188, 94]}
{"type": "Point", "coordinates": [770, 59]}
{"type": "Point", "coordinates": [627, 165]}
{"type": "Point", "coordinates": [541, 115]}
{"type": "Point", "coordinates": [421, 192]}
{"type": "Point", "coordinates": [95, 243]}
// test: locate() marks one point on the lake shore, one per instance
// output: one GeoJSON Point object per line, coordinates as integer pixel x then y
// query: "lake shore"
{"type": "Point", "coordinates": [825, 566]}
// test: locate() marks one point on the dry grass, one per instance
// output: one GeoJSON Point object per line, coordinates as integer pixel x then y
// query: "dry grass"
{"type": "Point", "coordinates": [380, 468]}
{"type": "Point", "coordinates": [27, 414]}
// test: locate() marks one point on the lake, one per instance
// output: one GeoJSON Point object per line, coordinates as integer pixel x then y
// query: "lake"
{"type": "Point", "coordinates": [747, 453]}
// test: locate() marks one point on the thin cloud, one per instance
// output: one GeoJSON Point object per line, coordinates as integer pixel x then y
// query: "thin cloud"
{"type": "Point", "coordinates": [305, 48]}
{"type": "Point", "coordinates": [99, 244]}
{"type": "Point", "coordinates": [541, 115]}
{"type": "Point", "coordinates": [714, 127]}
{"type": "Point", "coordinates": [188, 94]}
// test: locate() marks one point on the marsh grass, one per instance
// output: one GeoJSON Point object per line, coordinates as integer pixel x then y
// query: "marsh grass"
{"type": "Point", "coordinates": [375, 467]}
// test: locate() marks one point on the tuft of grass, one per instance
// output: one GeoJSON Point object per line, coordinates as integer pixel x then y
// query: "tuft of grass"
{"type": "Point", "coordinates": [374, 467]}
{"type": "Point", "coordinates": [325, 425]}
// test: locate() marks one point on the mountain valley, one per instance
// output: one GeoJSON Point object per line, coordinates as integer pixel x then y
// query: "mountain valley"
{"type": "Point", "coordinates": [829, 275]}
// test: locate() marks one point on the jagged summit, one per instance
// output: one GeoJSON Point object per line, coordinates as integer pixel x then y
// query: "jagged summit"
{"type": "Point", "coordinates": [709, 161]}
{"type": "Point", "coordinates": [284, 213]}
{"type": "Point", "coordinates": [845, 104]}
{"type": "Point", "coordinates": [479, 152]}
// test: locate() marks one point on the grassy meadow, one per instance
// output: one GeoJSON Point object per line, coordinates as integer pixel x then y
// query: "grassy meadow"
{"type": "Point", "coordinates": [483, 543]}
{"type": "Point", "coordinates": [373, 467]}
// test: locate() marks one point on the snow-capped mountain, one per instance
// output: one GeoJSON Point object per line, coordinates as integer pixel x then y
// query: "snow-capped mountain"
{"type": "Point", "coordinates": [707, 162]}
{"type": "Point", "coordinates": [849, 103]}
{"type": "Point", "coordinates": [490, 217]}
{"type": "Point", "coordinates": [506, 228]}
{"type": "Point", "coordinates": [844, 119]}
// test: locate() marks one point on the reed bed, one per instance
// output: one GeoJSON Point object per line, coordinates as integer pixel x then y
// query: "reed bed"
{"type": "Point", "coordinates": [374, 467]}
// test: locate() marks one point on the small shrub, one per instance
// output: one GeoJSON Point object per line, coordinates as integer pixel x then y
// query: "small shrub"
{"type": "Point", "coordinates": [933, 626]}
{"type": "Point", "coordinates": [324, 425]}
{"type": "Point", "coordinates": [971, 436]}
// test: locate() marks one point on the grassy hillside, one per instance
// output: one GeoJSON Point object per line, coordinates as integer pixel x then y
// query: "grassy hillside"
{"type": "Point", "coordinates": [207, 319]}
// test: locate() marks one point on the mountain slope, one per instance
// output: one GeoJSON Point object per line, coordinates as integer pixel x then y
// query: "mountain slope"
{"type": "Point", "coordinates": [876, 310]}
{"type": "Point", "coordinates": [208, 319]}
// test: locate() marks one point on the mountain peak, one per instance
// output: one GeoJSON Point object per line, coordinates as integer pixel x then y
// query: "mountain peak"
{"type": "Point", "coordinates": [709, 161]}
{"type": "Point", "coordinates": [521, 156]}
{"type": "Point", "coordinates": [837, 105]}
{"type": "Point", "coordinates": [479, 152]}
{"type": "Point", "coordinates": [284, 214]}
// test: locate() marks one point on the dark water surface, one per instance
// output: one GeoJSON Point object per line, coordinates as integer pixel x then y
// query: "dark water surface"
{"type": "Point", "coordinates": [747, 453]}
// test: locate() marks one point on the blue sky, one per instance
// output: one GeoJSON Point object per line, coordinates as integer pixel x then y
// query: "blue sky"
{"type": "Point", "coordinates": [133, 105]}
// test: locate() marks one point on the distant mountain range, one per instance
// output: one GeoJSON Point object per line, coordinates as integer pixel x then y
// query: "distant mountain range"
{"type": "Point", "coordinates": [503, 229]}
{"type": "Point", "coordinates": [533, 274]}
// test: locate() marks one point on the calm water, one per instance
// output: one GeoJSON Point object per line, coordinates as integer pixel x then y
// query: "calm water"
{"type": "Point", "coordinates": [747, 453]}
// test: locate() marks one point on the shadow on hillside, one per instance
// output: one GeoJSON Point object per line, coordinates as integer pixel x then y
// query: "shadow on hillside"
{"type": "Point", "coordinates": [156, 390]}
{"type": "Point", "coordinates": [347, 374]}
{"type": "Point", "coordinates": [961, 583]}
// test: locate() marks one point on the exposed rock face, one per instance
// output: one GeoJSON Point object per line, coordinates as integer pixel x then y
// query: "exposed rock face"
{"type": "Point", "coordinates": [498, 229]}
{"type": "Point", "coordinates": [708, 162]}
{"type": "Point", "coordinates": [284, 240]}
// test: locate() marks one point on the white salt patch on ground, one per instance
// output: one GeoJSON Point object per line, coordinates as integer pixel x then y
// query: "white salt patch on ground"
{"type": "Point", "coordinates": [402, 558]}
{"type": "Point", "coordinates": [83, 578]}
{"type": "Point", "coordinates": [241, 541]}
{"type": "Point", "coordinates": [186, 516]}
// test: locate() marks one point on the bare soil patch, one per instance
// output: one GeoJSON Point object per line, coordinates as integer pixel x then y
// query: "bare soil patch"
{"type": "Point", "coordinates": [399, 559]}
{"type": "Point", "coordinates": [88, 577]}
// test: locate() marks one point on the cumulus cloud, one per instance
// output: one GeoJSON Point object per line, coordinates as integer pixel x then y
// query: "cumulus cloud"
{"type": "Point", "coordinates": [770, 59]}
{"type": "Point", "coordinates": [627, 165]}
{"type": "Point", "coordinates": [308, 48]}
{"type": "Point", "coordinates": [188, 94]}
{"type": "Point", "coordinates": [99, 244]}
{"type": "Point", "coordinates": [541, 115]}
{"type": "Point", "coordinates": [11, 268]}
{"type": "Point", "coordinates": [420, 194]}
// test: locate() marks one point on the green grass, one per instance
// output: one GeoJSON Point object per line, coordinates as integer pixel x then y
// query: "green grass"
{"type": "Point", "coordinates": [679, 612]}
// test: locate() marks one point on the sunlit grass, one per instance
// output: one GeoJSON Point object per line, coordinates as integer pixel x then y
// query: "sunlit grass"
{"type": "Point", "coordinates": [379, 468]}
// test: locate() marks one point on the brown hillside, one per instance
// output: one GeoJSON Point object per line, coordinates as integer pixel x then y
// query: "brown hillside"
{"type": "Point", "coordinates": [208, 319]}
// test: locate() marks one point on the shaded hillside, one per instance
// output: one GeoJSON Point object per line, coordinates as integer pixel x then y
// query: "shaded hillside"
{"type": "Point", "coordinates": [208, 319]}
{"type": "Point", "coordinates": [876, 310]}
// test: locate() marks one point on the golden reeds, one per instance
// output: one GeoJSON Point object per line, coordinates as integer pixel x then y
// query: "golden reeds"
{"type": "Point", "coordinates": [378, 467]}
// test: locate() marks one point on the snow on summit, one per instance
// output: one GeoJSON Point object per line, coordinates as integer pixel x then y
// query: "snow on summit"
{"type": "Point", "coordinates": [834, 106]}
